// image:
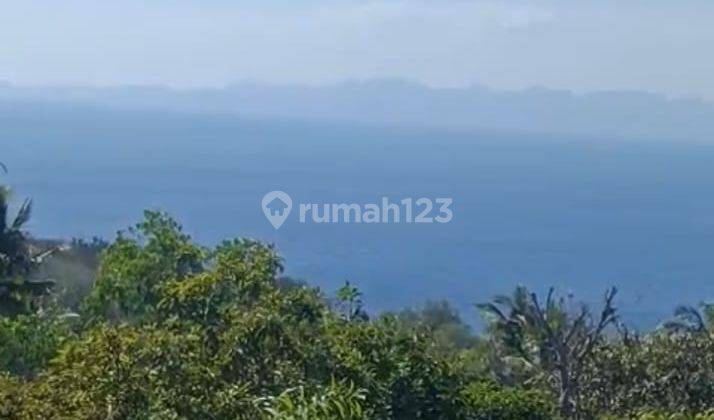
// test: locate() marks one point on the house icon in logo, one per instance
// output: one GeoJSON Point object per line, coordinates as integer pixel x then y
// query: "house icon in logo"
{"type": "Point", "coordinates": [277, 207]}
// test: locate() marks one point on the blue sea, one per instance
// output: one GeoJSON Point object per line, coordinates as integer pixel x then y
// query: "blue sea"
{"type": "Point", "coordinates": [580, 214]}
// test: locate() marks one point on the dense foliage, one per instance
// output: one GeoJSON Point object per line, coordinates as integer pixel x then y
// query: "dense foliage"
{"type": "Point", "coordinates": [169, 329]}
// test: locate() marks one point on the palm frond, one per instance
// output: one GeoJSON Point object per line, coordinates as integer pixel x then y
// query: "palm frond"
{"type": "Point", "coordinates": [686, 319]}
{"type": "Point", "coordinates": [676, 326]}
{"type": "Point", "coordinates": [504, 300]}
{"type": "Point", "coordinates": [491, 311]}
{"type": "Point", "coordinates": [23, 215]}
{"type": "Point", "coordinates": [3, 210]}
{"type": "Point", "coordinates": [689, 314]}
{"type": "Point", "coordinates": [39, 258]}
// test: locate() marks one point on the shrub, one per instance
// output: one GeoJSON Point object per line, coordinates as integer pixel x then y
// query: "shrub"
{"type": "Point", "coordinates": [28, 342]}
{"type": "Point", "coordinates": [485, 400]}
{"type": "Point", "coordinates": [660, 373]}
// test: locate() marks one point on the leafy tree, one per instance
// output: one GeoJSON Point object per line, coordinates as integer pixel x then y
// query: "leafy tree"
{"type": "Point", "coordinates": [134, 372]}
{"type": "Point", "coordinates": [444, 322]}
{"type": "Point", "coordinates": [656, 373]}
{"type": "Point", "coordinates": [138, 264]}
{"type": "Point", "coordinates": [349, 303]}
{"type": "Point", "coordinates": [181, 331]}
{"type": "Point", "coordinates": [28, 342]}
{"type": "Point", "coordinates": [11, 388]}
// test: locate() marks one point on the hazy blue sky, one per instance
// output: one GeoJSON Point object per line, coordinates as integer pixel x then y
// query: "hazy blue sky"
{"type": "Point", "coordinates": [657, 46]}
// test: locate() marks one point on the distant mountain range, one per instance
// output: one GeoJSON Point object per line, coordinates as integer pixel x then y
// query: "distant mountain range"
{"type": "Point", "coordinates": [629, 115]}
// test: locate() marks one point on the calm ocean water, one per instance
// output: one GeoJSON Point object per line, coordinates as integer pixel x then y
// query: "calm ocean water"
{"type": "Point", "coordinates": [578, 214]}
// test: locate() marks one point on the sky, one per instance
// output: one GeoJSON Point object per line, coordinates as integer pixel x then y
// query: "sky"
{"type": "Point", "coordinates": [656, 46]}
